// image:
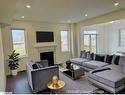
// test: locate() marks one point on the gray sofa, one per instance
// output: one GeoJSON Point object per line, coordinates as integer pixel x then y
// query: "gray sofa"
{"type": "Point", "coordinates": [111, 77]}
{"type": "Point", "coordinates": [108, 74]}
{"type": "Point", "coordinates": [38, 78]}
{"type": "Point", "coordinates": [88, 61]}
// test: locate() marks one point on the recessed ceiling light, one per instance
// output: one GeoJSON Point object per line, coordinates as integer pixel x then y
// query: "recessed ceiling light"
{"type": "Point", "coordinates": [111, 22]}
{"type": "Point", "coordinates": [22, 16]}
{"type": "Point", "coordinates": [28, 6]}
{"type": "Point", "coordinates": [86, 14]}
{"type": "Point", "coordinates": [116, 4]}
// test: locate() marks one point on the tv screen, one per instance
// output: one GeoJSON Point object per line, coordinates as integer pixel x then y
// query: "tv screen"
{"type": "Point", "coordinates": [46, 36]}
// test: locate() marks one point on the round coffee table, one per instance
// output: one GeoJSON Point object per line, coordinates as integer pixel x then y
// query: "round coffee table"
{"type": "Point", "coordinates": [59, 86]}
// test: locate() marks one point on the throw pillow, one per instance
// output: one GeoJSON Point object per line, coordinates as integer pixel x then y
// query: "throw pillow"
{"type": "Point", "coordinates": [92, 56]}
{"type": "Point", "coordinates": [89, 56]}
{"type": "Point", "coordinates": [109, 59]}
{"type": "Point", "coordinates": [115, 59]}
{"type": "Point", "coordinates": [34, 66]}
{"type": "Point", "coordinates": [99, 58]}
{"type": "Point", "coordinates": [83, 54]}
{"type": "Point", "coordinates": [122, 60]}
{"type": "Point", "coordinates": [39, 65]}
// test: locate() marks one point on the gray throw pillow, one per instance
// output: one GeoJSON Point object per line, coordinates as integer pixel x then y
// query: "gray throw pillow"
{"type": "Point", "coordinates": [115, 59]}
{"type": "Point", "coordinates": [83, 54]}
{"type": "Point", "coordinates": [88, 56]}
{"type": "Point", "coordinates": [122, 60]}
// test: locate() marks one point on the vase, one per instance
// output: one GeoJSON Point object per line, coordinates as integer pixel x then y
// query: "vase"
{"type": "Point", "coordinates": [14, 72]}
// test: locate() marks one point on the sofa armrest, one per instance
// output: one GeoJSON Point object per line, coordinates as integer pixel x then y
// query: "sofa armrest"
{"type": "Point", "coordinates": [44, 68]}
{"type": "Point", "coordinates": [41, 77]}
{"type": "Point", "coordinates": [29, 76]}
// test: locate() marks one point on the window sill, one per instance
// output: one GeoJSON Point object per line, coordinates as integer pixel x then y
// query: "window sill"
{"type": "Point", "coordinates": [65, 51]}
{"type": "Point", "coordinates": [23, 56]}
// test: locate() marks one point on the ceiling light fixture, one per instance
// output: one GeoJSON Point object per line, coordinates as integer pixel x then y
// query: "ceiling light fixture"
{"type": "Point", "coordinates": [28, 6]}
{"type": "Point", "coordinates": [22, 16]}
{"type": "Point", "coordinates": [86, 14]}
{"type": "Point", "coordinates": [116, 4]}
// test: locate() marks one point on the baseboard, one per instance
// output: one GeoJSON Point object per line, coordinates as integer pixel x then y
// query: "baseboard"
{"type": "Point", "coordinates": [18, 72]}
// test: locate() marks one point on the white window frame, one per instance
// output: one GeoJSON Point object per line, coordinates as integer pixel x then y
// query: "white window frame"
{"type": "Point", "coordinates": [90, 40]}
{"type": "Point", "coordinates": [69, 40]}
{"type": "Point", "coordinates": [25, 40]}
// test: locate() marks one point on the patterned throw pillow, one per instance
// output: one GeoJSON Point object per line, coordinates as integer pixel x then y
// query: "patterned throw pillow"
{"type": "Point", "coordinates": [83, 54]}
{"type": "Point", "coordinates": [89, 55]}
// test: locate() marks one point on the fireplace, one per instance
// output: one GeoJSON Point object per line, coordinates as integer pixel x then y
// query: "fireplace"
{"type": "Point", "coordinates": [48, 56]}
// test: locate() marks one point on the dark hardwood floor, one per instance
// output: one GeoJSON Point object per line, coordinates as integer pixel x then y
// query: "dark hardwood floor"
{"type": "Point", "coordinates": [19, 84]}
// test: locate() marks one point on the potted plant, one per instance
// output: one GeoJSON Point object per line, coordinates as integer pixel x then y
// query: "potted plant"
{"type": "Point", "coordinates": [13, 62]}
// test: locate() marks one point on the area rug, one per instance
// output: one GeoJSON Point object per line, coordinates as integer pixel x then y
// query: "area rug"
{"type": "Point", "coordinates": [78, 86]}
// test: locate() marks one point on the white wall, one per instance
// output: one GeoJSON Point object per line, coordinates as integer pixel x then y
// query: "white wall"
{"type": "Point", "coordinates": [31, 28]}
{"type": "Point", "coordinates": [2, 72]}
{"type": "Point", "coordinates": [108, 36]}
{"type": "Point", "coordinates": [101, 37]}
{"type": "Point", "coordinates": [117, 15]}
{"type": "Point", "coordinates": [113, 36]}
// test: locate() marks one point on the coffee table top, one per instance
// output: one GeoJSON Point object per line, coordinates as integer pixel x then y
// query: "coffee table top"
{"type": "Point", "coordinates": [63, 65]}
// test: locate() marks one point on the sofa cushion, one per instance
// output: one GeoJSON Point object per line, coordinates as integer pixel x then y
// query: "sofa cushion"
{"type": "Point", "coordinates": [115, 67]}
{"type": "Point", "coordinates": [94, 64]}
{"type": "Point", "coordinates": [111, 78]}
{"type": "Point", "coordinates": [109, 59]}
{"type": "Point", "coordinates": [78, 60]}
{"type": "Point", "coordinates": [99, 57]}
{"type": "Point", "coordinates": [83, 54]}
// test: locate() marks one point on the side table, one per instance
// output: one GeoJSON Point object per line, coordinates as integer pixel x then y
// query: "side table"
{"type": "Point", "coordinates": [59, 86]}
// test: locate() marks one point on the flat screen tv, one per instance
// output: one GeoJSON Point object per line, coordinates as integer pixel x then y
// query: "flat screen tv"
{"type": "Point", "coordinates": [44, 36]}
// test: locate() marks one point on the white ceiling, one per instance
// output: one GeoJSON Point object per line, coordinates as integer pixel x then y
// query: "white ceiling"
{"type": "Point", "coordinates": [7, 10]}
{"type": "Point", "coordinates": [64, 11]}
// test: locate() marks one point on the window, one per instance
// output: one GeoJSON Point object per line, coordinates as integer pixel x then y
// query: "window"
{"type": "Point", "coordinates": [65, 41]}
{"type": "Point", "coordinates": [18, 38]}
{"type": "Point", "coordinates": [90, 41]}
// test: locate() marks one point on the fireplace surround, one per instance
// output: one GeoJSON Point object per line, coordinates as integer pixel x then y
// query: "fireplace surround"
{"type": "Point", "coordinates": [49, 56]}
{"type": "Point", "coordinates": [46, 51]}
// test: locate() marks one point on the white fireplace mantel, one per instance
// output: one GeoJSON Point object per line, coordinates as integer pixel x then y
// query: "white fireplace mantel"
{"type": "Point", "coordinates": [46, 47]}
{"type": "Point", "coordinates": [47, 44]}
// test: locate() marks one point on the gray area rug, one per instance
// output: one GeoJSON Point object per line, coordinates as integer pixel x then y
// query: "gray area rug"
{"type": "Point", "coordinates": [79, 86]}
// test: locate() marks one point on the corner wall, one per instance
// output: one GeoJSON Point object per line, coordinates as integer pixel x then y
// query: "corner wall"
{"type": "Point", "coordinates": [2, 71]}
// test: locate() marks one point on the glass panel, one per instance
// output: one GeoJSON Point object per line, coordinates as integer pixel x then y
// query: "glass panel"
{"type": "Point", "coordinates": [90, 32]}
{"type": "Point", "coordinates": [64, 41]}
{"type": "Point", "coordinates": [86, 42]}
{"type": "Point", "coordinates": [19, 41]}
{"type": "Point", "coordinates": [93, 43]}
